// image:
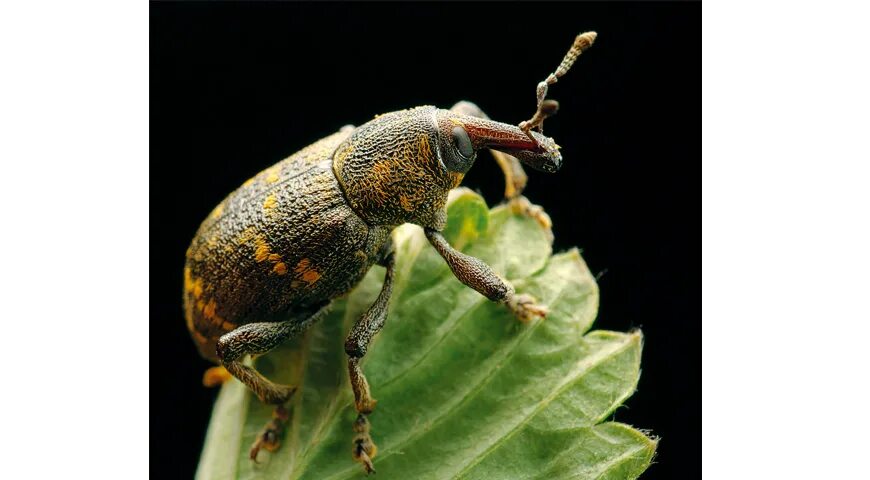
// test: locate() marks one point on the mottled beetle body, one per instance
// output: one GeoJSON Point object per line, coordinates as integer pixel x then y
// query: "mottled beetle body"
{"type": "Point", "coordinates": [307, 229]}
{"type": "Point", "coordinates": [270, 257]}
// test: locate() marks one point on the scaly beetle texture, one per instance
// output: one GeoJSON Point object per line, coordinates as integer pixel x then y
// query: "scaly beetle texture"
{"type": "Point", "coordinates": [269, 259]}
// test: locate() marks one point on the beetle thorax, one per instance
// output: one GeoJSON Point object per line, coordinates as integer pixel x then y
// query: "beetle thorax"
{"type": "Point", "coordinates": [390, 171]}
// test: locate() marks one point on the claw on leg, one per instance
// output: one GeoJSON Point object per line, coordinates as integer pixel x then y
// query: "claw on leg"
{"type": "Point", "coordinates": [525, 307]}
{"type": "Point", "coordinates": [364, 449]}
{"type": "Point", "coordinates": [270, 437]}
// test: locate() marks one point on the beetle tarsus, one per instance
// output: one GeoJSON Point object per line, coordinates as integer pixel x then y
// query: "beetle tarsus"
{"type": "Point", "coordinates": [525, 307]}
{"type": "Point", "coordinates": [364, 449]}
{"type": "Point", "coordinates": [270, 437]}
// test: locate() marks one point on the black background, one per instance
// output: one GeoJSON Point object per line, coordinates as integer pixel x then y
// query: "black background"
{"type": "Point", "coordinates": [237, 87]}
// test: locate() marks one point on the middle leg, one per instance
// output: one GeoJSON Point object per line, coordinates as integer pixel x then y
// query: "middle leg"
{"type": "Point", "coordinates": [356, 346]}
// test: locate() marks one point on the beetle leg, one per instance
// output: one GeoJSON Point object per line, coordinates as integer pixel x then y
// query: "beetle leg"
{"type": "Point", "coordinates": [478, 275]}
{"type": "Point", "coordinates": [356, 345]}
{"type": "Point", "coordinates": [515, 178]}
{"type": "Point", "coordinates": [259, 338]}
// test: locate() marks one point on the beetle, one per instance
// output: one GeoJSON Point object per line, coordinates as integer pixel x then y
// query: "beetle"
{"type": "Point", "coordinates": [268, 260]}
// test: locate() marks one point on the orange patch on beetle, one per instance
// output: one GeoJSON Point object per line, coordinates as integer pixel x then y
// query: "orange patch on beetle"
{"type": "Point", "coordinates": [303, 265]}
{"type": "Point", "coordinates": [311, 277]}
{"type": "Point", "coordinates": [209, 309]}
{"type": "Point", "coordinates": [306, 272]}
{"type": "Point", "coordinates": [280, 268]}
{"type": "Point", "coordinates": [197, 288]}
{"type": "Point", "coordinates": [215, 376]}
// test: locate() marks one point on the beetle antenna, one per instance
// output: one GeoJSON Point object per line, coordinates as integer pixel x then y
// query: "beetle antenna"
{"type": "Point", "coordinates": [547, 108]}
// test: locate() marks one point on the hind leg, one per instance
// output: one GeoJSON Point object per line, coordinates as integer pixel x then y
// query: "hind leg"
{"type": "Point", "coordinates": [259, 338]}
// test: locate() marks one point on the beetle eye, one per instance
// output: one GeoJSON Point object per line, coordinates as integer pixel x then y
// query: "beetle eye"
{"type": "Point", "coordinates": [462, 143]}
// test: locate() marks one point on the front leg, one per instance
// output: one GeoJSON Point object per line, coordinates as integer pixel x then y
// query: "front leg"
{"type": "Point", "coordinates": [478, 275]}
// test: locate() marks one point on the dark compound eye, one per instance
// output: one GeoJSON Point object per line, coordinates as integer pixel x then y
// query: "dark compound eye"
{"type": "Point", "coordinates": [462, 143]}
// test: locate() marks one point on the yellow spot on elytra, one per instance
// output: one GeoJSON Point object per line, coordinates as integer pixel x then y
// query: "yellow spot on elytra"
{"type": "Point", "coordinates": [188, 280]}
{"type": "Point", "coordinates": [218, 210]}
{"type": "Point", "coordinates": [274, 257]}
{"type": "Point", "coordinates": [457, 122]}
{"type": "Point", "coordinates": [212, 241]}
{"type": "Point", "coordinates": [280, 268]}
{"type": "Point", "coordinates": [261, 252]}
{"type": "Point", "coordinates": [249, 181]}
{"type": "Point", "coordinates": [215, 376]}
{"type": "Point", "coordinates": [270, 202]}
{"type": "Point", "coordinates": [272, 174]}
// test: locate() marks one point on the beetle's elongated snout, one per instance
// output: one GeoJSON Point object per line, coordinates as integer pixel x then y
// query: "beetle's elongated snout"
{"type": "Point", "coordinates": [542, 155]}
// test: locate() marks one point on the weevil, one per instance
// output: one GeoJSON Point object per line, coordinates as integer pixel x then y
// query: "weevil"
{"type": "Point", "coordinates": [269, 259]}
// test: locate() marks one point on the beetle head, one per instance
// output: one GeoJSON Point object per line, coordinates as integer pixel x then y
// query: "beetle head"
{"type": "Point", "coordinates": [399, 167]}
{"type": "Point", "coordinates": [462, 136]}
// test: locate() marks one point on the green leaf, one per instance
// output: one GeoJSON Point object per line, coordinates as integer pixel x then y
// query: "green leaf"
{"type": "Point", "coordinates": [464, 390]}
